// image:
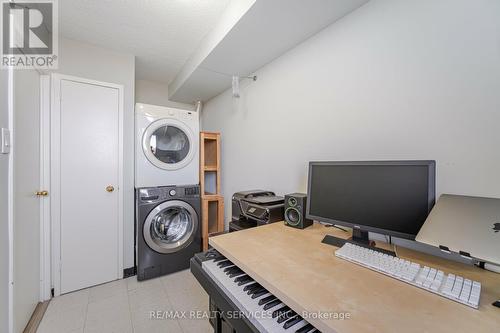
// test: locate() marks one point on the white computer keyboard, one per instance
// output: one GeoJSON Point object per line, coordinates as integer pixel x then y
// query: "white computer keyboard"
{"type": "Point", "coordinates": [450, 286]}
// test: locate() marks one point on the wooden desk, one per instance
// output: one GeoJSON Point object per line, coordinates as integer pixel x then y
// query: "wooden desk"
{"type": "Point", "coordinates": [305, 274]}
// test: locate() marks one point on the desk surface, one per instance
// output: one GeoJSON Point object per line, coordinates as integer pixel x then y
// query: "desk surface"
{"type": "Point", "coordinates": [305, 274]}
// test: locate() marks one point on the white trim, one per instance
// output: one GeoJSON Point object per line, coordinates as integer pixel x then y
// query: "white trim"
{"type": "Point", "coordinates": [11, 192]}
{"type": "Point", "coordinates": [121, 180]}
{"type": "Point", "coordinates": [55, 172]}
{"type": "Point", "coordinates": [45, 267]}
{"type": "Point", "coordinates": [11, 199]}
{"type": "Point", "coordinates": [55, 187]}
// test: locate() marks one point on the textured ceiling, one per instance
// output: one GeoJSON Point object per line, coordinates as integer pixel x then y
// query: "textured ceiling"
{"type": "Point", "coordinates": [162, 34]}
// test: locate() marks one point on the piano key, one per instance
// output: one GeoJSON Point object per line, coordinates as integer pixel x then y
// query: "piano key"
{"type": "Point", "coordinates": [276, 313]}
{"type": "Point", "coordinates": [260, 293]}
{"type": "Point", "coordinates": [267, 299]}
{"type": "Point", "coordinates": [232, 275]}
{"type": "Point", "coordinates": [223, 264]}
{"type": "Point", "coordinates": [305, 329]}
{"type": "Point", "coordinates": [222, 261]}
{"type": "Point", "coordinates": [242, 283]}
{"type": "Point", "coordinates": [295, 320]}
{"type": "Point", "coordinates": [219, 259]}
{"type": "Point", "coordinates": [230, 269]}
{"type": "Point", "coordinates": [285, 316]}
{"type": "Point", "coordinates": [244, 302]}
{"type": "Point", "coordinates": [250, 286]}
{"type": "Point", "coordinates": [272, 304]}
{"type": "Point", "coordinates": [241, 278]}
{"type": "Point", "coordinates": [254, 290]}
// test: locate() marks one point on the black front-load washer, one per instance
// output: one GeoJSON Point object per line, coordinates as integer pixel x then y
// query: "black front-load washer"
{"type": "Point", "coordinates": [168, 229]}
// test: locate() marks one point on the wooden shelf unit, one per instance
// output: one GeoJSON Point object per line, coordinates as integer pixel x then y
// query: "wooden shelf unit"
{"type": "Point", "coordinates": [212, 200]}
{"type": "Point", "coordinates": [209, 162]}
{"type": "Point", "coordinates": [212, 212]}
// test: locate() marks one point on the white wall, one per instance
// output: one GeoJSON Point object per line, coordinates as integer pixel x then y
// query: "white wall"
{"type": "Point", "coordinates": [231, 15]}
{"type": "Point", "coordinates": [4, 227]}
{"type": "Point", "coordinates": [156, 93]}
{"type": "Point", "coordinates": [395, 79]}
{"type": "Point", "coordinates": [92, 62]}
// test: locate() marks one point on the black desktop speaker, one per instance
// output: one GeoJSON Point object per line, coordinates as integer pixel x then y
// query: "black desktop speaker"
{"type": "Point", "coordinates": [295, 211]}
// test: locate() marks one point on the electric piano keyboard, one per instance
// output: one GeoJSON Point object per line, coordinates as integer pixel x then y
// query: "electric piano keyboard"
{"type": "Point", "coordinates": [264, 311]}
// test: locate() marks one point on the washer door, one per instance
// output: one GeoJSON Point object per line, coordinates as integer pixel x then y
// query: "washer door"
{"type": "Point", "coordinates": [168, 144]}
{"type": "Point", "coordinates": [170, 227]}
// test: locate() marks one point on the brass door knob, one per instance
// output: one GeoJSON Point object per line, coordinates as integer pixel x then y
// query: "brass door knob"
{"type": "Point", "coordinates": [41, 193]}
{"type": "Point", "coordinates": [110, 188]}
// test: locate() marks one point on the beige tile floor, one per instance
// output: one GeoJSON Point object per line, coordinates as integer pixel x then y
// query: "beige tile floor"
{"type": "Point", "coordinates": [125, 306]}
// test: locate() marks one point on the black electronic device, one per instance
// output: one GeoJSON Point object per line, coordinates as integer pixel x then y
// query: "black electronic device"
{"type": "Point", "coordinates": [387, 197]}
{"type": "Point", "coordinates": [254, 208]}
{"type": "Point", "coordinates": [295, 211]}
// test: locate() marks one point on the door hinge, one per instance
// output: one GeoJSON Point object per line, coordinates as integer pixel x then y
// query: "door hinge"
{"type": "Point", "coordinates": [52, 292]}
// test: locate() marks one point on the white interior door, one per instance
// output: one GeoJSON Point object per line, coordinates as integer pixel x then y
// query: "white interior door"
{"type": "Point", "coordinates": [26, 209]}
{"type": "Point", "coordinates": [87, 146]}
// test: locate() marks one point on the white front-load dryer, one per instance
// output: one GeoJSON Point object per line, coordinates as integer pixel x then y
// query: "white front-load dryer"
{"type": "Point", "coordinates": [166, 147]}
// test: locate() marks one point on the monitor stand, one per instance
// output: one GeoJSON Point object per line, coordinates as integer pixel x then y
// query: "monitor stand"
{"type": "Point", "coordinates": [359, 237]}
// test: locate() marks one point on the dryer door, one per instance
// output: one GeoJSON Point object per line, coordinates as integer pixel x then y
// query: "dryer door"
{"type": "Point", "coordinates": [169, 144]}
{"type": "Point", "coordinates": [171, 226]}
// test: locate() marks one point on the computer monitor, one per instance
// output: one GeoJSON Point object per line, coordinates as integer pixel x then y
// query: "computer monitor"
{"type": "Point", "coordinates": [387, 197]}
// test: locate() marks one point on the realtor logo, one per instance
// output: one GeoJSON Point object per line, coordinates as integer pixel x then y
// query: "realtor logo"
{"type": "Point", "coordinates": [29, 34]}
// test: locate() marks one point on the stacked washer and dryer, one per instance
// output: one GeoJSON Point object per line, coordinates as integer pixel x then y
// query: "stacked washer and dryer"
{"type": "Point", "coordinates": [168, 231]}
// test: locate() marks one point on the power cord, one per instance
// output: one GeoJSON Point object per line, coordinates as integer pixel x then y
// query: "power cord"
{"type": "Point", "coordinates": [328, 225]}
{"type": "Point", "coordinates": [394, 246]}
{"type": "Point", "coordinates": [491, 268]}
{"type": "Point", "coordinates": [488, 267]}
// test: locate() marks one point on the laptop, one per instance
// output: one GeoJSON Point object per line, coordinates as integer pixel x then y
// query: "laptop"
{"type": "Point", "coordinates": [466, 225]}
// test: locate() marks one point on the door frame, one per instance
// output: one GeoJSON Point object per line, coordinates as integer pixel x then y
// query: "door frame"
{"type": "Point", "coordinates": [45, 233]}
{"type": "Point", "coordinates": [10, 195]}
{"type": "Point", "coordinates": [51, 176]}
